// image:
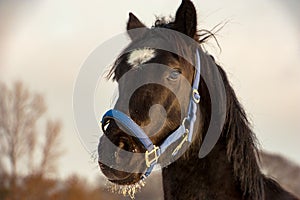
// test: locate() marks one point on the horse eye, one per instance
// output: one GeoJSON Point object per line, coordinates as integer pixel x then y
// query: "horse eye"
{"type": "Point", "coordinates": [174, 75]}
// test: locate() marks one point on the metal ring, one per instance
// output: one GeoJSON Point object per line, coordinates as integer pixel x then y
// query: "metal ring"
{"type": "Point", "coordinates": [195, 92]}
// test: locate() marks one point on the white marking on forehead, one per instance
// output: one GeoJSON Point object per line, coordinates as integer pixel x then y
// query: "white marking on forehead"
{"type": "Point", "coordinates": [140, 56]}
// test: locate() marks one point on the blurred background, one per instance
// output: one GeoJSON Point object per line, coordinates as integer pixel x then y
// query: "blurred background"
{"type": "Point", "coordinates": [43, 44]}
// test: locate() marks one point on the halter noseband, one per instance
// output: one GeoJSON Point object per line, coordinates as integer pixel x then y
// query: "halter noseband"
{"type": "Point", "coordinates": [184, 131]}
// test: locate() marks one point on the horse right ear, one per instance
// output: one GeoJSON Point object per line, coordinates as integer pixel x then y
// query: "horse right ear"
{"type": "Point", "coordinates": [135, 23]}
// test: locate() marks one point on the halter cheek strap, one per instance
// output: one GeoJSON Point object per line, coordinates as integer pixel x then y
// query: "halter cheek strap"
{"type": "Point", "coordinates": [184, 131]}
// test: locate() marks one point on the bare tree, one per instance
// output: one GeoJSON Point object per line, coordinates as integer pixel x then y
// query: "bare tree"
{"type": "Point", "coordinates": [22, 143]}
{"type": "Point", "coordinates": [50, 152]}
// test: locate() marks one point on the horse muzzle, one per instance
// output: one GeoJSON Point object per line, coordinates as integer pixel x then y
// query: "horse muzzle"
{"type": "Point", "coordinates": [121, 158]}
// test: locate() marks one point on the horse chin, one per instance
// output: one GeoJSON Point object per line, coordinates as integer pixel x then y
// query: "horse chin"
{"type": "Point", "coordinates": [130, 180]}
{"type": "Point", "coordinates": [119, 177]}
{"type": "Point", "coordinates": [124, 183]}
{"type": "Point", "coordinates": [128, 187]}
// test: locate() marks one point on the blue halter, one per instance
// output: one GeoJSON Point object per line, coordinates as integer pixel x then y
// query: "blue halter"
{"type": "Point", "coordinates": [184, 131]}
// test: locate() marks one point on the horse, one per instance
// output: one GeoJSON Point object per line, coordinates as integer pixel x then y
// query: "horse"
{"type": "Point", "coordinates": [166, 119]}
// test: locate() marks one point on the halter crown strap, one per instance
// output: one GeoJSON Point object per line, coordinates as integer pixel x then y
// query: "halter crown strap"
{"type": "Point", "coordinates": [184, 131]}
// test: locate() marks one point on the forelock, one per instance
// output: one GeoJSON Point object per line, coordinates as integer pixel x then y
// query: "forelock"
{"type": "Point", "coordinates": [140, 56]}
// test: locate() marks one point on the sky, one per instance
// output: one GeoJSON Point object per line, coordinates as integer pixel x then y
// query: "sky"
{"type": "Point", "coordinates": [44, 43]}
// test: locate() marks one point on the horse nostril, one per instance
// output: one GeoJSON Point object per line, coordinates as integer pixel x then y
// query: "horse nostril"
{"type": "Point", "coordinates": [124, 144]}
{"type": "Point", "coordinates": [121, 145]}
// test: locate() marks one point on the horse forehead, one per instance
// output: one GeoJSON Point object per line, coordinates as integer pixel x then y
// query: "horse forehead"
{"type": "Point", "coordinates": [140, 56]}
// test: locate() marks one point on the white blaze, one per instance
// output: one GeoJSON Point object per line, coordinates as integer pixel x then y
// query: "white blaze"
{"type": "Point", "coordinates": [140, 56]}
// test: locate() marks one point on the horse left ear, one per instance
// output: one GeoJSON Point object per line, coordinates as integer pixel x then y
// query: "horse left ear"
{"type": "Point", "coordinates": [135, 23]}
{"type": "Point", "coordinates": [186, 19]}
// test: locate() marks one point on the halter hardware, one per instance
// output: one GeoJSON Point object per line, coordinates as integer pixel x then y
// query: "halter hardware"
{"type": "Point", "coordinates": [185, 139]}
{"type": "Point", "coordinates": [184, 131]}
{"type": "Point", "coordinates": [196, 96]}
{"type": "Point", "coordinates": [152, 156]}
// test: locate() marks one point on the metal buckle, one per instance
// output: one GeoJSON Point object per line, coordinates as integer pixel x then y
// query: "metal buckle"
{"type": "Point", "coordinates": [185, 138]}
{"type": "Point", "coordinates": [148, 154]}
{"type": "Point", "coordinates": [196, 98]}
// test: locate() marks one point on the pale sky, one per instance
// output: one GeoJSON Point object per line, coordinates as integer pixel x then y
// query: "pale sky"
{"type": "Point", "coordinates": [45, 43]}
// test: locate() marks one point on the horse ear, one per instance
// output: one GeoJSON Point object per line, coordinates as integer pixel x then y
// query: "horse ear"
{"type": "Point", "coordinates": [186, 19]}
{"type": "Point", "coordinates": [135, 23]}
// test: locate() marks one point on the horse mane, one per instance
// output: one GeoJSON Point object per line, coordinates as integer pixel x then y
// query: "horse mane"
{"type": "Point", "coordinates": [202, 36]}
{"type": "Point", "coordinates": [242, 149]}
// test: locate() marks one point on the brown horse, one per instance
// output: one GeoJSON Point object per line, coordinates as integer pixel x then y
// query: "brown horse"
{"type": "Point", "coordinates": [230, 170]}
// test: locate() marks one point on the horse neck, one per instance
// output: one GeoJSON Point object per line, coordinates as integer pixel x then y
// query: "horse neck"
{"type": "Point", "coordinates": [211, 177]}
